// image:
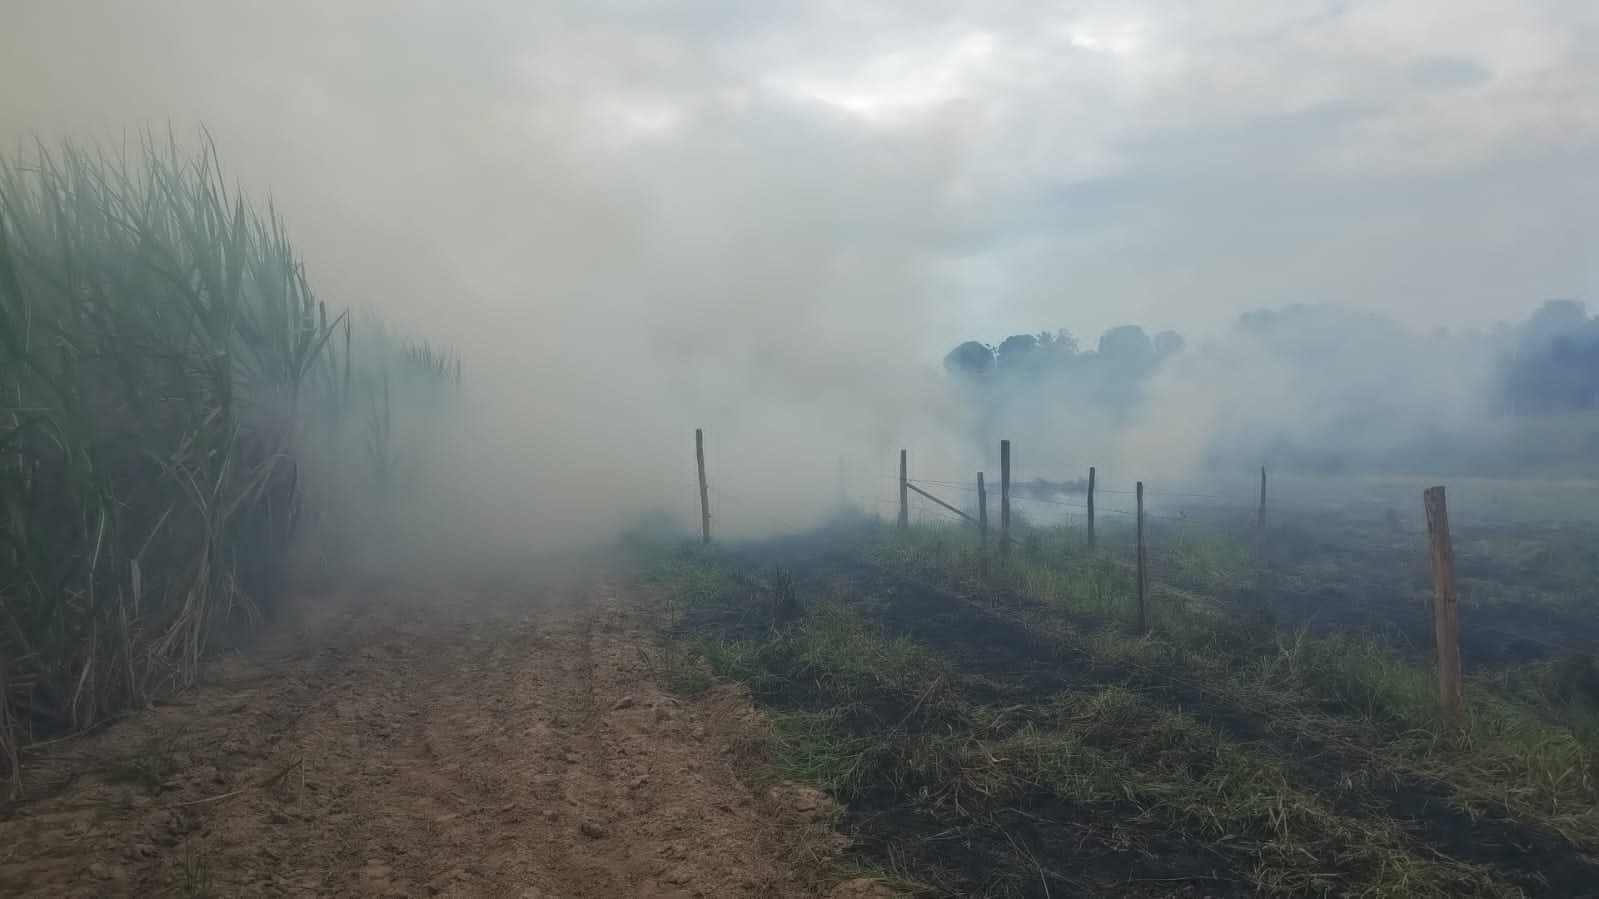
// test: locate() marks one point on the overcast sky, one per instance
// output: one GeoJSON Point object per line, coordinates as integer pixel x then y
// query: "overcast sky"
{"type": "Point", "coordinates": [980, 168]}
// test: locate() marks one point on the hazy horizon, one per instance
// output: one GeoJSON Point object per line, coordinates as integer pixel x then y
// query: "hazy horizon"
{"type": "Point", "coordinates": [772, 221]}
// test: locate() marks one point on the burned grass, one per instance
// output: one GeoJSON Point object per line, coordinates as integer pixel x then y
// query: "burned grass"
{"type": "Point", "coordinates": [1514, 792]}
{"type": "Point", "coordinates": [1006, 750]}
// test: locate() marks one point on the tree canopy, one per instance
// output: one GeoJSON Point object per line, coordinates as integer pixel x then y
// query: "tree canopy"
{"type": "Point", "coordinates": [1356, 376]}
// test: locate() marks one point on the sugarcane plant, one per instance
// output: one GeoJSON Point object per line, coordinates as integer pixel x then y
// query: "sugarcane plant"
{"type": "Point", "coordinates": [162, 361]}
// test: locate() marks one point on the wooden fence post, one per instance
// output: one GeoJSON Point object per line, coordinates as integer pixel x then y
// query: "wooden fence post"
{"type": "Point", "coordinates": [1143, 562]}
{"type": "Point", "coordinates": [1091, 476]}
{"type": "Point", "coordinates": [1004, 497]}
{"type": "Point", "coordinates": [1260, 516]}
{"type": "Point", "coordinates": [1445, 608]}
{"type": "Point", "coordinates": [843, 492]}
{"type": "Point", "coordinates": [904, 494]}
{"type": "Point", "coordinates": [705, 490]}
{"type": "Point", "coordinates": [1263, 578]}
{"type": "Point", "coordinates": [982, 525]}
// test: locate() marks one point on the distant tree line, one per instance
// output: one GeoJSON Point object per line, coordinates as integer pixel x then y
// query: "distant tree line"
{"type": "Point", "coordinates": [1550, 363]}
{"type": "Point", "coordinates": [1553, 365]}
{"type": "Point", "coordinates": [1109, 375]}
{"type": "Point", "coordinates": [1313, 388]}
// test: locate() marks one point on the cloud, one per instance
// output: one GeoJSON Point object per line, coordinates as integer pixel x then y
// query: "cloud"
{"type": "Point", "coordinates": [1284, 152]}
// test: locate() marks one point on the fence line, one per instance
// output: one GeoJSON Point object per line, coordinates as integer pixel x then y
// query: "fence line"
{"type": "Point", "coordinates": [1445, 601]}
{"type": "Point", "coordinates": [1446, 640]}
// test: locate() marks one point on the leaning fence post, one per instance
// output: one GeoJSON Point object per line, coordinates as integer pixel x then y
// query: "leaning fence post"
{"type": "Point", "coordinates": [1004, 497]}
{"type": "Point", "coordinates": [982, 525]}
{"type": "Point", "coordinates": [1143, 563]}
{"type": "Point", "coordinates": [1091, 475]}
{"type": "Point", "coordinates": [1445, 607]}
{"type": "Point", "coordinates": [904, 494]}
{"type": "Point", "coordinates": [705, 491]}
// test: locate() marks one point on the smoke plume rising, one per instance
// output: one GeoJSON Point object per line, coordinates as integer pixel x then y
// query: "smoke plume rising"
{"type": "Point", "coordinates": [772, 223]}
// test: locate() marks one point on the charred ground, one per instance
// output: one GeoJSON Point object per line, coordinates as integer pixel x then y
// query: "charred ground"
{"type": "Point", "coordinates": [1013, 735]}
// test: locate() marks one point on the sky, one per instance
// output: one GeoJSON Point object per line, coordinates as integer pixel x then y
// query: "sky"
{"type": "Point", "coordinates": [773, 219]}
{"type": "Point", "coordinates": [1028, 165]}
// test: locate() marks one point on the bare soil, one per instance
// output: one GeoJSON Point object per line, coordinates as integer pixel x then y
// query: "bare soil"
{"type": "Point", "coordinates": [424, 745]}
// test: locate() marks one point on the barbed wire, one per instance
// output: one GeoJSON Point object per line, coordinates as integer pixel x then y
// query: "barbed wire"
{"type": "Point", "coordinates": [950, 485]}
{"type": "Point", "coordinates": [1176, 565]}
{"type": "Point", "coordinates": [1197, 515]}
{"type": "Point", "coordinates": [1071, 504]}
{"type": "Point", "coordinates": [1183, 495]}
{"type": "Point", "coordinates": [1109, 510]}
{"type": "Point", "coordinates": [745, 514]}
{"type": "Point", "coordinates": [1165, 561]}
{"type": "Point", "coordinates": [1285, 508]}
{"type": "Point", "coordinates": [1029, 490]}
{"type": "Point", "coordinates": [926, 504]}
{"type": "Point", "coordinates": [1052, 502]}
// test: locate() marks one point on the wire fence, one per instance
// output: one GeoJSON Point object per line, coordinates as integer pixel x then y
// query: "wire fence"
{"type": "Point", "coordinates": [1336, 552]}
{"type": "Point", "coordinates": [1211, 552]}
{"type": "Point", "coordinates": [1205, 569]}
{"type": "Point", "coordinates": [1052, 504]}
{"type": "Point", "coordinates": [1028, 495]}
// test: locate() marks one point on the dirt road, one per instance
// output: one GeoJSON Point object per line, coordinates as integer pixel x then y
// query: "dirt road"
{"type": "Point", "coordinates": [421, 746]}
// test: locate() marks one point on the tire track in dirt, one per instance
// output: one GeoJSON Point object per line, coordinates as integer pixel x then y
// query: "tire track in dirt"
{"type": "Point", "coordinates": [446, 746]}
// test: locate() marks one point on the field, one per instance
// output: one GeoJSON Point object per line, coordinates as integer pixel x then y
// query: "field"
{"type": "Point", "coordinates": [1350, 554]}
{"type": "Point", "coordinates": [1274, 734]}
{"type": "Point", "coordinates": [205, 692]}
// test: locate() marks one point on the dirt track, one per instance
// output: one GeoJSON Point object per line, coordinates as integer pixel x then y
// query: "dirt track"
{"type": "Point", "coordinates": [420, 747]}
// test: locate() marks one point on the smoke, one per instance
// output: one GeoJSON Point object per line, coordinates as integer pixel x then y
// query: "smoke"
{"type": "Point", "coordinates": [1356, 389]}
{"type": "Point", "coordinates": [1320, 388]}
{"type": "Point", "coordinates": [631, 223]}
{"type": "Point", "coordinates": [620, 248]}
